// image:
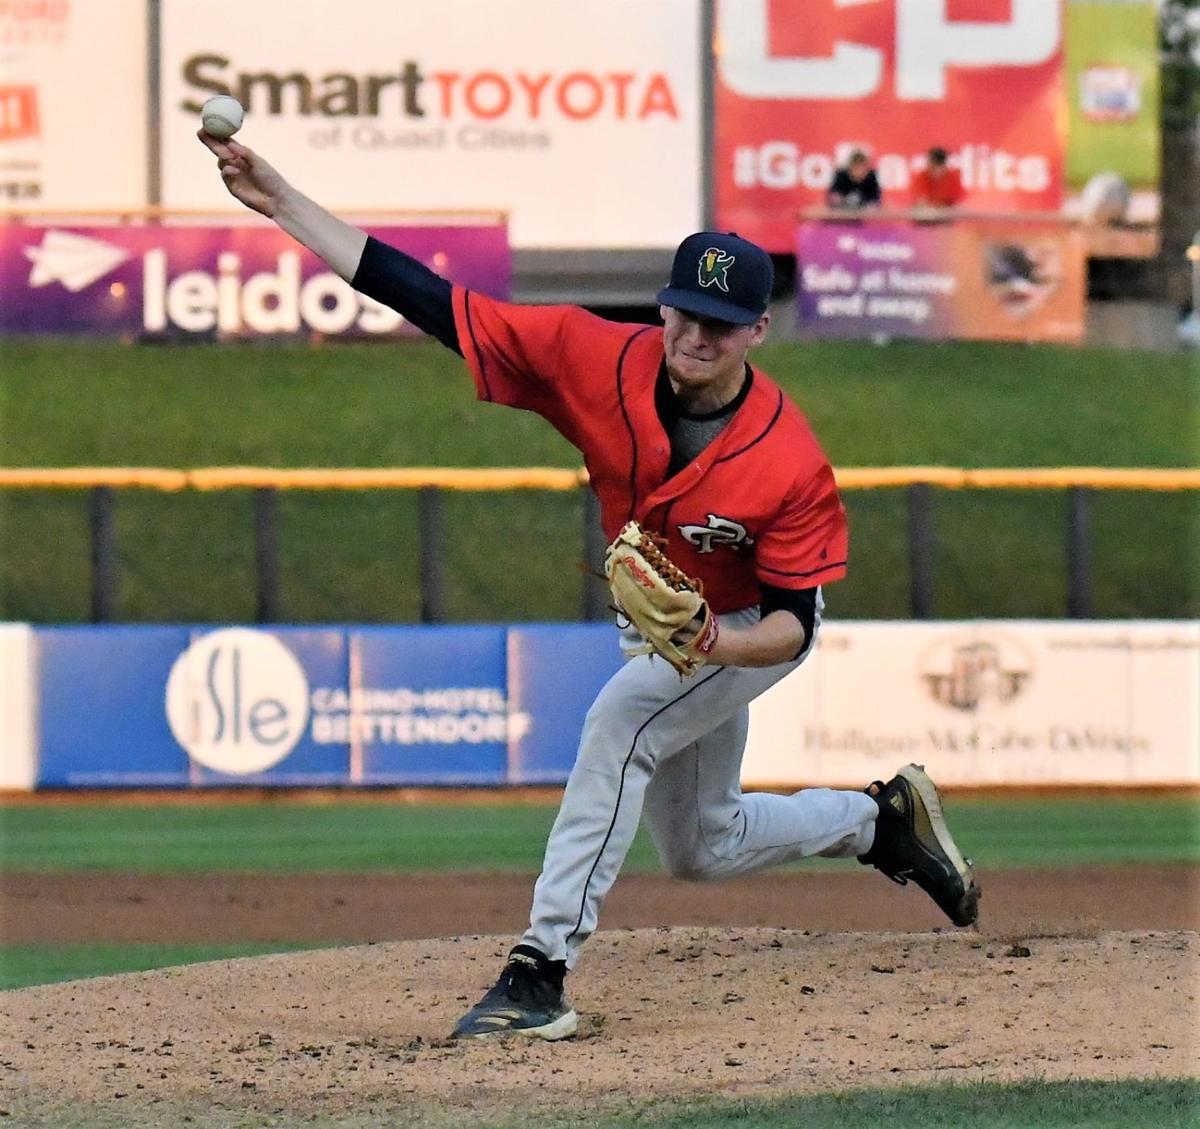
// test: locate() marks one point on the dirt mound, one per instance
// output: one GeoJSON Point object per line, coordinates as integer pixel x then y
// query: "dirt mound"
{"type": "Point", "coordinates": [358, 1035]}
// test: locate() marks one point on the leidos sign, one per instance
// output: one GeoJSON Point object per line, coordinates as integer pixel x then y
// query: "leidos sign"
{"type": "Point", "coordinates": [230, 282]}
{"type": "Point", "coordinates": [270, 301]}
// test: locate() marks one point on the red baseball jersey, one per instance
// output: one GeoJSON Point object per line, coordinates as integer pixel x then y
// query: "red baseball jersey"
{"type": "Point", "coordinates": [942, 191]}
{"type": "Point", "coordinates": [758, 505]}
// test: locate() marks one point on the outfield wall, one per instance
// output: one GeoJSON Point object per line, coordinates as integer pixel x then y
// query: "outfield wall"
{"type": "Point", "coordinates": [18, 704]}
{"type": "Point", "coordinates": [981, 703]}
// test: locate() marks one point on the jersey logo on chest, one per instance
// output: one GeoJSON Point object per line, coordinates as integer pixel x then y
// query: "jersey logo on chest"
{"type": "Point", "coordinates": [718, 531]}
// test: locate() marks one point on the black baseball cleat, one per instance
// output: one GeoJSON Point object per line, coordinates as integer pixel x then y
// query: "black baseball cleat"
{"type": "Point", "coordinates": [913, 842]}
{"type": "Point", "coordinates": [528, 999]}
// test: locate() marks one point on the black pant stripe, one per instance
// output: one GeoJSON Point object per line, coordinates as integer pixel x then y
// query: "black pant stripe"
{"type": "Point", "coordinates": [621, 788]}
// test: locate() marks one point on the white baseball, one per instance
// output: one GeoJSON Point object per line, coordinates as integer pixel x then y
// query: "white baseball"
{"type": "Point", "coordinates": [222, 116]}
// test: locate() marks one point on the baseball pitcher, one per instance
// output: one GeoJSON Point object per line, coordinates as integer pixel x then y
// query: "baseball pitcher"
{"type": "Point", "coordinates": [725, 523]}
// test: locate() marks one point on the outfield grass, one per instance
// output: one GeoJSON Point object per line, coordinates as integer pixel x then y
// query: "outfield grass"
{"type": "Point", "coordinates": [1157, 1103]}
{"type": "Point", "coordinates": [290, 837]}
{"type": "Point", "coordinates": [1152, 1104]}
{"type": "Point", "coordinates": [969, 403]}
{"type": "Point", "coordinates": [285, 837]}
{"type": "Point", "coordinates": [353, 557]}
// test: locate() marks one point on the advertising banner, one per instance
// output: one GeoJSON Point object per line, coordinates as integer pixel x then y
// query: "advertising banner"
{"type": "Point", "coordinates": [291, 706]}
{"type": "Point", "coordinates": [101, 707]}
{"type": "Point", "coordinates": [1006, 702]}
{"type": "Point", "coordinates": [427, 705]}
{"type": "Point", "coordinates": [554, 675]}
{"type": "Point", "coordinates": [244, 281]}
{"type": "Point", "coordinates": [243, 703]}
{"type": "Point", "coordinates": [581, 120]}
{"type": "Point", "coordinates": [986, 280]}
{"type": "Point", "coordinates": [73, 104]}
{"type": "Point", "coordinates": [986, 703]}
{"type": "Point", "coordinates": [177, 706]}
{"type": "Point", "coordinates": [798, 86]}
{"type": "Point", "coordinates": [1112, 88]}
{"type": "Point", "coordinates": [18, 758]}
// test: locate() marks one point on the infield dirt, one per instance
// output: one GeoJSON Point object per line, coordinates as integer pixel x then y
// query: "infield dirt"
{"type": "Point", "coordinates": [357, 1036]}
{"type": "Point", "coordinates": [737, 1005]}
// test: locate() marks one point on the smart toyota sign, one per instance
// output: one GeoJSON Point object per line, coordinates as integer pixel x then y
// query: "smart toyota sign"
{"type": "Point", "coordinates": [549, 112]}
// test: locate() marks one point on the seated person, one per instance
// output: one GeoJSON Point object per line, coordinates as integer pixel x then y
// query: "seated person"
{"type": "Point", "coordinates": [856, 185]}
{"type": "Point", "coordinates": [937, 185]}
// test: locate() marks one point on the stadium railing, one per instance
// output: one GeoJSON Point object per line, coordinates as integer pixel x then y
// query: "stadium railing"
{"type": "Point", "coordinates": [264, 483]}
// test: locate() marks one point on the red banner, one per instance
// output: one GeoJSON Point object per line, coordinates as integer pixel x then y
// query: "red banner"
{"type": "Point", "coordinates": [799, 85]}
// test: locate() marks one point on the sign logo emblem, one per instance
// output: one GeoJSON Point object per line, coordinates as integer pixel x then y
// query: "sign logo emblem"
{"type": "Point", "coordinates": [237, 701]}
{"type": "Point", "coordinates": [718, 531]}
{"type": "Point", "coordinates": [73, 260]}
{"type": "Point", "coordinates": [970, 671]}
{"type": "Point", "coordinates": [714, 268]}
{"type": "Point", "coordinates": [19, 118]}
{"type": "Point", "coordinates": [1022, 276]}
{"type": "Point", "coordinates": [1110, 94]}
{"type": "Point", "coordinates": [637, 572]}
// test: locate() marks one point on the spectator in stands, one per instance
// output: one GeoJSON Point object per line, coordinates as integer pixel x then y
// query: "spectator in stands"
{"type": "Point", "coordinates": [856, 185]}
{"type": "Point", "coordinates": [937, 185]}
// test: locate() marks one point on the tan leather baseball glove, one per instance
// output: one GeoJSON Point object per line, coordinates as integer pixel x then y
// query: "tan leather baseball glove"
{"type": "Point", "coordinates": [665, 604]}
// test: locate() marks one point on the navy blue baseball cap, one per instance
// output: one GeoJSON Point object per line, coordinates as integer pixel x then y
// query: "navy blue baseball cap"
{"type": "Point", "coordinates": [720, 275]}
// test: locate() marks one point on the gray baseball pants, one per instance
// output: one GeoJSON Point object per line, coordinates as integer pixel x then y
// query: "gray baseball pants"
{"type": "Point", "coordinates": [672, 749]}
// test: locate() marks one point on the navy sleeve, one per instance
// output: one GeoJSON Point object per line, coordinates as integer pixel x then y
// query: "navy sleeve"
{"type": "Point", "coordinates": [410, 288]}
{"type": "Point", "coordinates": [801, 602]}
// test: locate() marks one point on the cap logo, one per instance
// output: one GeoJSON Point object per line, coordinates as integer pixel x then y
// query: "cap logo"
{"type": "Point", "coordinates": [714, 268]}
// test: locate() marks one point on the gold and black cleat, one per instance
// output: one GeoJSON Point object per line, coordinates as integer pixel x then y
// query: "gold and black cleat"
{"type": "Point", "coordinates": [528, 999]}
{"type": "Point", "coordinates": [913, 843]}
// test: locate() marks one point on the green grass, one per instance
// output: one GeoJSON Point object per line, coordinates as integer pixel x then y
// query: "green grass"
{"type": "Point", "coordinates": [1157, 1103]}
{"type": "Point", "coordinates": [1153, 1104]}
{"type": "Point", "coordinates": [353, 557]}
{"type": "Point", "coordinates": [22, 966]}
{"type": "Point", "coordinates": [974, 404]}
{"type": "Point", "coordinates": [283, 836]}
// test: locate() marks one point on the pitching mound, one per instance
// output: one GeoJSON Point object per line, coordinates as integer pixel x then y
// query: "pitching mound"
{"type": "Point", "coordinates": [359, 1033]}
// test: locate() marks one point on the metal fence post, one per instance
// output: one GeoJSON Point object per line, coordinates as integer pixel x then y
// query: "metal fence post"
{"type": "Point", "coordinates": [920, 549]}
{"type": "Point", "coordinates": [708, 70]}
{"type": "Point", "coordinates": [102, 523]}
{"type": "Point", "coordinates": [153, 102]}
{"type": "Point", "coordinates": [1079, 554]}
{"type": "Point", "coordinates": [429, 511]}
{"type": "Point", "coordinates": [266, 554]}
{"type": "Point", "coordinates": [594, 601]}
